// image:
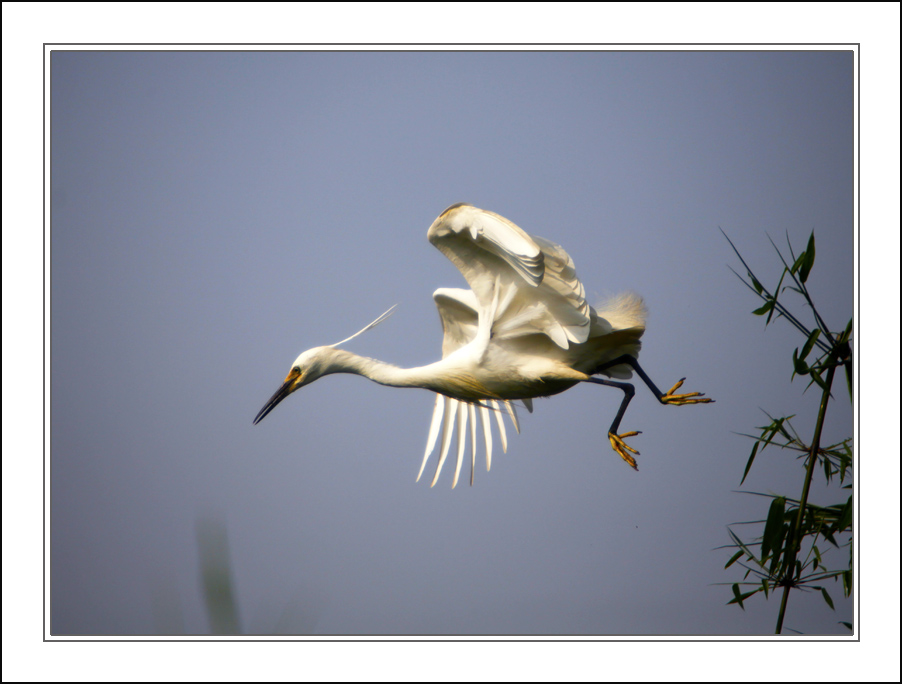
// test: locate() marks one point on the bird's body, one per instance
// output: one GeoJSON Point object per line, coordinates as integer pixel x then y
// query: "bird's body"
{"type": "Point", "coordinates": [523, 330]}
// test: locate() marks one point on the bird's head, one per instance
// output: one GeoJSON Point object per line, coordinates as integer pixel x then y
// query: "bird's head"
{"type": "Point", "coordinates": [309, 366]}
{"type": "Point", "coordinates": [312, 365]}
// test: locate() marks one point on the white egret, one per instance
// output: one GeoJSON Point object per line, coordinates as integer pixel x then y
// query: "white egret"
{"type": "Point", "coordinates": [523, 330]}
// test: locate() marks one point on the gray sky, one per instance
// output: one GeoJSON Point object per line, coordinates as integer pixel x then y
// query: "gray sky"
{"type": "Point", "coordinates": [215, 214]}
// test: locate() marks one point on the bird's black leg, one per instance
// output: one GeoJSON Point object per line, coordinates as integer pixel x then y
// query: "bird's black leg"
{"type": "Point", "coordinates": [617, 442]}
{"type": "Point", "coordinates": [665, 398]}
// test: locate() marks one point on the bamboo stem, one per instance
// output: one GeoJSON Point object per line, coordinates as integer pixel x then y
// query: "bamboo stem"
{"type": "Point", "coordinates": [795, 540]}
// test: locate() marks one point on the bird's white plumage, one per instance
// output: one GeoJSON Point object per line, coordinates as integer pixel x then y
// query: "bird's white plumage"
{"type": "Point", "coordinates": [522, 330]}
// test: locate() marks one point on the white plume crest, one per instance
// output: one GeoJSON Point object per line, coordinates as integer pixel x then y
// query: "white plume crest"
{"type": "Point", "coordinates": [369, 327]}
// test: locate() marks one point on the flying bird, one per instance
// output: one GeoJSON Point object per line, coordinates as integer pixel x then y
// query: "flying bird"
{"type": "Point", "coordinates": [522, 330]}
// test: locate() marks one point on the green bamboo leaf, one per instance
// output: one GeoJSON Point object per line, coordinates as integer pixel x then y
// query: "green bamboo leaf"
{"type": "Point", "coordinates": [847, 333]}
{"type": "Point", "coordinates": [779, 551]}
{"type": "Point", "coordinates": [848, 625]}
{"type": "Point", "coordinates": [849, 381]}
{"type": "Point", "coordinates": [773, 528]}
{"type": "Point", "coordinates": [799, 367]}
{"type": "Point", "coordinates": [845, 518]}
{"type": "Point", "coordinates": [742, 545]}
{"type": "Point", "coordinates": [845, 464]}
{"type": "Point", "coordinates": [819, 380]}
{"type": "Point", "coordinates": [768, 305]}
{"type": "Point", "coordinates": [748, 466]}
{"type": "Point", "coordinates": [739, 597]}
{"type": "Point", "coordinates": [778, 427]}
{"type": "Point", "coordinates": [827, 598]}
{"type": "Point", "coordinates": [733, 559]}
{"type": "Point", "coordinates": [776, 292]}
{"type": "Point", "coordinates": [812, 338]}
{"type": "Point", "coordinates": [759, 288]}
{"type": "Point", "coordinates": [808, 261]}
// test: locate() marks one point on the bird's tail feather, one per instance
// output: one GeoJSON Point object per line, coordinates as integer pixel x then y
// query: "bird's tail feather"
{"type": "Point", "coordinates": [625, 313]}
{"type": "Point", "coordinates": [625, 310]}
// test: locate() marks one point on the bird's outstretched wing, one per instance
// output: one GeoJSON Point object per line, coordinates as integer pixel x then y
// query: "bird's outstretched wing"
{"type": "Point", "coordinates": [528, 284]}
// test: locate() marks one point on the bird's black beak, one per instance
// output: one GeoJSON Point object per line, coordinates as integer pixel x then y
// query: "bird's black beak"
{"type": "Point", "coordinates": [287, 388]}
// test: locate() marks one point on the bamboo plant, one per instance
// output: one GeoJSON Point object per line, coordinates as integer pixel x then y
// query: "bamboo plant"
{"type": "Point", "coordinates": [789, 554]}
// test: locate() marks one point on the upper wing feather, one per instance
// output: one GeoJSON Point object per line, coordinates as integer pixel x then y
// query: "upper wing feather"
{"type": "Point", "coordinates": [530, 281]}
{"type": "Point", "coordinates": [458, 310]}
{"type": "Point", "coordinates": [478, 242]}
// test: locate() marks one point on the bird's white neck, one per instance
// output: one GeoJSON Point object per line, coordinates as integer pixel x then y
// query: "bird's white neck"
{"type": "Point", "coordinates": [443, 376]}
{"type": "Point", "coordinates": [341, 361]}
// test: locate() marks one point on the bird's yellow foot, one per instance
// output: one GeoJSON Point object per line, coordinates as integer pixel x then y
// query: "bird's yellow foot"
{"type": "Point", "coordinates": [622, 447]}
{"type": "Point", "coordinates": [682, 399]}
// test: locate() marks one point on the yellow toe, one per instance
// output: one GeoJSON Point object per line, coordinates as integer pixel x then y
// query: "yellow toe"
{"type": "Point", "coordinates": [622, 448]}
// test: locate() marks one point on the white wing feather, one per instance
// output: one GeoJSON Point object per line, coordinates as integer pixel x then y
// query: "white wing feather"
{"type": "Point", "coordinates": [487, 429]}
{"type": "Point", "coordinates": [461, 440]}
{"type": "Point", "coordinates": [447, 433]}
{"type": "Point", "coordinates": [433, 430]}
{"type": "Point", "coordinates": [472, 408]}
{"type": "Point", "coordinates": [459, 312]}
{"type": "Point", "coordinates": [458, 414]}
{"type": "Point", "coordinates": [501, 431]}
{"type": "Point", "coordinates": [539, 289]}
